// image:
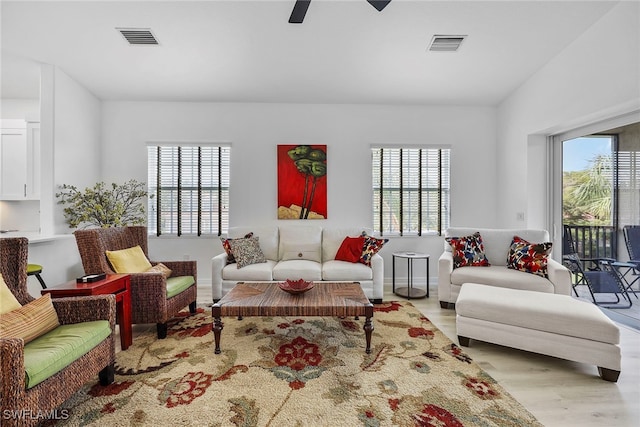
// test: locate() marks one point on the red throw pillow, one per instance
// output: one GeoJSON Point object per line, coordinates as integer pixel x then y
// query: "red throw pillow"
{"type": "Point", "coordinates": [350, 249]}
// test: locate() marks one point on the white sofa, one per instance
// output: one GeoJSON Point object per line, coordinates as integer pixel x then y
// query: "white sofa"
{"type": "Point", "coordinates": [279, 242]}
{"type": "Point", "coordinates": [496, 247]}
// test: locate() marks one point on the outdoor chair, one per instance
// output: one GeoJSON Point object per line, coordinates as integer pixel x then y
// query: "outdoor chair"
{"type": "Point", "coordinates": [631, 274]}
{"type": "Point", "coordinates": [151, 301]}
{"type": "Point", "coordinates": [632, 241]}
{"type": "Point", "coordinates": [603, 277]}
{"type": "Point", "coordinates": [605, 280]}
{"type": "Point", "coordinates": [28, 389]}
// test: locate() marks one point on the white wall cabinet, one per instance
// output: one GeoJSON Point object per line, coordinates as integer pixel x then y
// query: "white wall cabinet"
{"type": "Point", "coordinates": [19, 160]}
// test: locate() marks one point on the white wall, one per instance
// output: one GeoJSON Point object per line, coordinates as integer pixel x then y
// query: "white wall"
{"type": "Point", "coordinates": [76, 141]}
{"type": "Point", "coordinates": [24, 109]}
{"type": "Point", "coordinates": [60, 262]}
{"type": "Point", "coordinates": [254, 130]}
{"type": "Point", "coordinates": [595, 78]}
{"type": "Point", "coordinates": [70, 149]}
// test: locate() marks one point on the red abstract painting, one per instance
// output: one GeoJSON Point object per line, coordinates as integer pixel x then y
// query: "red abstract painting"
{"type": "Point", "coordinates": [302, 181]}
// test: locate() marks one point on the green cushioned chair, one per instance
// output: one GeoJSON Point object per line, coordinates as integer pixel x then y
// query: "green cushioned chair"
{"type": "Point", "coordinates": [39, 376]}
{"type": "Point", "coordinates": [154, 299]}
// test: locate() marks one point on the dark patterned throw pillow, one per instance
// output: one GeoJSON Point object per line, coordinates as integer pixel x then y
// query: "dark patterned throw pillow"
{"type": "Point", "coordinates": [468, 251]}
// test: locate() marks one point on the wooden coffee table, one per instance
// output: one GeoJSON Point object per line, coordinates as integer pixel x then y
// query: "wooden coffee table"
{"type": "Point", "coordinates": [267, 299]}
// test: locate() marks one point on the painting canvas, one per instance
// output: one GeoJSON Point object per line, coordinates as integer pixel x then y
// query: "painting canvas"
{"type": "Point", "coordinates": [302, 181]}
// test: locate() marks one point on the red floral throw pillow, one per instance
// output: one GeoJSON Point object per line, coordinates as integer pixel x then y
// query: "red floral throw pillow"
{"type": "Point", "coordinates": [351, 249]}
{"type": "Point", "coordinates": [468, 251]}
{"type": "Point", "coordinates": [529, 257]}
{"type": "Point", "coordinates": [371, 247]}
{"type": "Point", "coordinates": [227, 247]}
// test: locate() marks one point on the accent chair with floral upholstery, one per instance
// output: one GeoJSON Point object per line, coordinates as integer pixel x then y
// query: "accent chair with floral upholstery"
{"type": "Point", "coordinates": [159, 289]}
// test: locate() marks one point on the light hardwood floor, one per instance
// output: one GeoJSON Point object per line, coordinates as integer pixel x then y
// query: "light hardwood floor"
{"type": "Point", "coordinates": [558, 392]}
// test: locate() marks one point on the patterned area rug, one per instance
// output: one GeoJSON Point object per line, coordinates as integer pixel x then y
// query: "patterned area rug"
{"type": "Point", "coordinates": [307, 371]}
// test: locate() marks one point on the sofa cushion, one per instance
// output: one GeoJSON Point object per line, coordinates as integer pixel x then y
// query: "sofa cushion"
{"type": "Point", "coordinates": [177, 284]}
{"type": "Point", "coordinates": [501, 276]}
{"type": "Point", "coordinates": [309, 236]}
{"type": "Point", "coordinates": [30, 321]}
{"type": "Point", "coordinates": [130, 260]}
{"type": "Point", "coordinates": [558, 314]}
{"type": "Point", "coordinates": [8, 301]}
{"type": "Point", "coordinates": [529, 257]}
{"type": "Point", "coordinates": [468, 251]}
{"type": "Point", "coordinates": [332, 239]}
{"type": "Point", "coordinates": [254, 272]}
{"type": "Point", "coordinates": [345, 271]}
{"type": "Point", "coordinates": [247, 251]}
{"type": "Point", "coordinates": [57, 349]}
{"type": "Point", "coordinates": [297, 269]}
{"type": "Point", "coordinates": [497, 241]}
{"type": "Point", "coordinates": [308, 251]}
{"type": "Point", "coordinates": [268, 235]}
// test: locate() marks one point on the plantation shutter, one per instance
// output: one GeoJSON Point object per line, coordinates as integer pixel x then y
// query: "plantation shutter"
{"type": "Point", "coordinates": [627, 187]}
{"type": "Point", "coordinates": [189, 189]}
{"type": "Point", "coordinates": [410, 190]}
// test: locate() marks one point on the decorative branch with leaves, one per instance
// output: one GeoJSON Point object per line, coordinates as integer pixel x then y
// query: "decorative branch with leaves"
{"type": "Point", "coordinates": [104, 206]}
{"type": "Point", "coordinates": [312, 164]}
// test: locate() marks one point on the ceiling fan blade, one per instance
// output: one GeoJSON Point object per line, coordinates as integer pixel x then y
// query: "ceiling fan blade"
{"type": "Point", "coordinates": [379, 4]}
{"type": "Point", "coordinates": [298, 12]}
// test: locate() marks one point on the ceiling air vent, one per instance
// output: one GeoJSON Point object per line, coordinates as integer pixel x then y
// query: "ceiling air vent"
{"type": "Point", "coordinates": [138, 36]}
{"type": "Point", "coordinates": [445, 43]}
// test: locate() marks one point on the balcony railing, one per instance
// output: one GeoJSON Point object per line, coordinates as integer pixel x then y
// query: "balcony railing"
{"type": "Point", "coordinates": [593, 241]}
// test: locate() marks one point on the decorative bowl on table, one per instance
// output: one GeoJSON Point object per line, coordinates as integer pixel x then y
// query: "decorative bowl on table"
{"type": "Point", "coordinates": [296, 286]}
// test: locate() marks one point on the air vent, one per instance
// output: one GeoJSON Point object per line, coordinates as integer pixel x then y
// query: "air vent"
{"type": "Point", "coordinates": [138, 36]}
{"type": "Point", "coordinates": [445, 43]}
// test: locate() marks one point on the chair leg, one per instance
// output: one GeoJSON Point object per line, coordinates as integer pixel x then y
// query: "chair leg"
{"type": "Point", "coordinates": [608, 374]}
{"type": "Point", "coordinates": [464, 341]}
{"type": "Point", "coordinates": [192, 308]}
{"type": "Point", "coordinates": [162, 330]}
{"type": "Point", "coordinates": [107, 375]}
{"type": "Point", "coordinates": [44, 286]}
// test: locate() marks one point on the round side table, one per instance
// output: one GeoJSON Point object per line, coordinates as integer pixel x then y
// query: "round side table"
{"type": "Point", "coordinates": [409, 291]}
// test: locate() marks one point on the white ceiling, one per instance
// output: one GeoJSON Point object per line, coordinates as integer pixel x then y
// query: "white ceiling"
{"type": "Point", "coordinates": [246, 51]}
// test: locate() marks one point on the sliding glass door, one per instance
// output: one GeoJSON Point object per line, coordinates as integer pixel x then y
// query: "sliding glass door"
{"type": "Point", "coordinates": [600, 188]}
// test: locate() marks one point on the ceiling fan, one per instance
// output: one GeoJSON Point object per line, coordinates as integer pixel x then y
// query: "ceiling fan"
{"type": "Point", "coordinates": [301, 6]}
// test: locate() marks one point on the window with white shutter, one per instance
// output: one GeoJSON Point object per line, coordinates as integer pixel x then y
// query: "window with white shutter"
{"type": "Point", "coordinates": [410, 190]}
{"type": "Point", "coordinates": [188, 189]}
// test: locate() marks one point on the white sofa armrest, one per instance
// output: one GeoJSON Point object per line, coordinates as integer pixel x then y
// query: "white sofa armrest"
{"type": "Point", "coordinates": [560, 276]}
{"type": "Point", "coordinates": [218, 262]}
{"type": "Point", "coordinates": [445, 268]}
{"type": "Point", "coordinates": [377, 267]}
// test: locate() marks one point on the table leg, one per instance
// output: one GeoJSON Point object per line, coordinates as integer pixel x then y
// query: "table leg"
{"type": "Point", "coordinates": [410, 277]}
{"type": "Point", "coordinates": [427, 277]}
{"type": "Point", "coordinates": [393, 274]}
{"type": "Point", "coordinates": [123, 312]}
{"type": "Point", "coordinates": [217, 326]}
{"type": "Point", "coordinates": [368, 326]}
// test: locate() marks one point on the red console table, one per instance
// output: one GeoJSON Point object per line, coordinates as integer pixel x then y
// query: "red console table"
{"type": "Point", "coordinates": [116, 284]}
